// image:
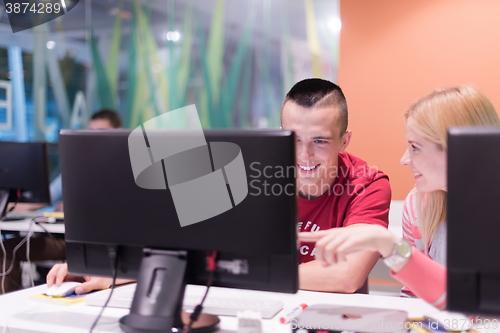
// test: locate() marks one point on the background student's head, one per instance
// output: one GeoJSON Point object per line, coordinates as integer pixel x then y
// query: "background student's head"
{"type": "Point", "coordinates": [316, 110]}
{"type": "Point", "coordinates": [105, 119]}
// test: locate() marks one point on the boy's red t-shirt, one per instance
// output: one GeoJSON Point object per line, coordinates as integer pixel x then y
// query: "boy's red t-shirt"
{"type": "Point", "coordinates": [359, 194]}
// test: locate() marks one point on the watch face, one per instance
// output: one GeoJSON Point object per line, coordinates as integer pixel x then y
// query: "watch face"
{"type": "Point", "coordinates": [404, 249]}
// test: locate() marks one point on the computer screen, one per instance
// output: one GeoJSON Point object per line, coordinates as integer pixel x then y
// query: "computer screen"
{"type": "Point", "coordinates": [53, 160]}
{"type": "Point", "coordinates": [473, 220]}
{"type": "Point", "coordinates": [24, 173]}
{"type": "Point", "coordinates": [108, 202]}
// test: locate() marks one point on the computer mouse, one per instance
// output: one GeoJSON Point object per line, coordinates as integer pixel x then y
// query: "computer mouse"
{"type": "Point", "coordinates": [65, 289]}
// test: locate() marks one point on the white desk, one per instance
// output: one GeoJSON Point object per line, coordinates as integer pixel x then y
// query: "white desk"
{"type": "Point", "coordinates": [19, 314]}
{"type": "Point", "coordinates": [24, 225]}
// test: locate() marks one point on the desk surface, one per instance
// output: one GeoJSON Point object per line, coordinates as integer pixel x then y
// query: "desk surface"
{"type": "Point", "coordinates": [24, 225]}
{"type": "Point", "coordinates": [20, 314]}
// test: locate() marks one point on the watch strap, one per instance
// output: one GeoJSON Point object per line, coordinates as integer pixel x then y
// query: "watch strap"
{"type": "Point", "coordinates": [396, 258]}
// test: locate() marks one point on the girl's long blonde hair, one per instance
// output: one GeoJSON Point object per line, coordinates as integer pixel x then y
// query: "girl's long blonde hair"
{"type": "Point", "coordinates": [431, 117]}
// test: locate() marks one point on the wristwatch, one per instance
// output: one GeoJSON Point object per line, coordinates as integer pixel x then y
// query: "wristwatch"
{"type": "Point", "coordinates": [401, 253]}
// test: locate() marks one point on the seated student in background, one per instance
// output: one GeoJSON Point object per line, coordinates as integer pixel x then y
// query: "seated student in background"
{"type": "Point", "coordinates": [48, 248]}
{"type": "Point", "coordinates": [335, 188]}
{"type": "Point", "coordinates": [421, 261]}
{"type": "Point", "coordinates": [102, 119]}
{"type": "Point", "coordinates": [105, 119]}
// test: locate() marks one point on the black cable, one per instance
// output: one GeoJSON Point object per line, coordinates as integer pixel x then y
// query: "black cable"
{"type": "Point", "coordinates": [51, 236]}
{"type": "Point", "coordinates": [199, 308]}
{"type": "Point", "coordinates": [114, 263]}
{"type": "Point", "coordinates": [40, 224]}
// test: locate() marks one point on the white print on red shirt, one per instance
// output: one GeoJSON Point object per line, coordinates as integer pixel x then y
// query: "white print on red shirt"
{"type": "Point", "coordinates": [308, 226]}
{"type": "Point", "coordinates": [304, 250]}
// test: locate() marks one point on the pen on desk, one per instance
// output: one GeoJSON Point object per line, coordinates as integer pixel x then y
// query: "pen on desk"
{"type": "Point", "coordinates": [293, 313]}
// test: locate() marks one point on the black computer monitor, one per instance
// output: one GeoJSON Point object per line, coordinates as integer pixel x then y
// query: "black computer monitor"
{"type": "Point", "coordinates": [106, 210]}
{"type": "Point", "coordinates": [53, 160]}
{"type": "Point", "coordinates": [474, 220]}
{"type": "Point", "coordinates": [24, 173]}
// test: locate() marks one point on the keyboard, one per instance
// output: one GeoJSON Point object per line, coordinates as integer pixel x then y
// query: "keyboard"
{"type": "Point", "coordinates": [16, 216]}
{"type": "Point", "coordinates": [221, 306]}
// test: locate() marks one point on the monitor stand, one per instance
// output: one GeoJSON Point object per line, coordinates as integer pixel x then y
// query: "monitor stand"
{"type": "Point", "coordinates": [4, 199]}
{"type": "Point", "coordinates": [157, 302]}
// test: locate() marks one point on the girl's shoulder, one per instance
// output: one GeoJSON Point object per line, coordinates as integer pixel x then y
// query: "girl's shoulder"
{"type": "Point", "coordinates": [410, 207]}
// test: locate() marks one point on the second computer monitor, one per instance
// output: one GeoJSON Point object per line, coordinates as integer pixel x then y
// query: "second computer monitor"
{"type": "Point", "coordinates": [473, 220]}
{"type": "Point", "coordinates": [24, 173]}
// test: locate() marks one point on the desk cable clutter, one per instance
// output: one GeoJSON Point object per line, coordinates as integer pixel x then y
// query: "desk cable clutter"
{"type": "Point", "coordinates": [26, 240]}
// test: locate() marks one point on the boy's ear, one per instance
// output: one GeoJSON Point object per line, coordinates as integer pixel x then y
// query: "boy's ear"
{"type": "Point", "coordinates": [346, 138]}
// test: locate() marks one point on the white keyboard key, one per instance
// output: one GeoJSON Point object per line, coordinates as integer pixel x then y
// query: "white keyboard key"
{"type": "Point", "coordinates": [222, 306]}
